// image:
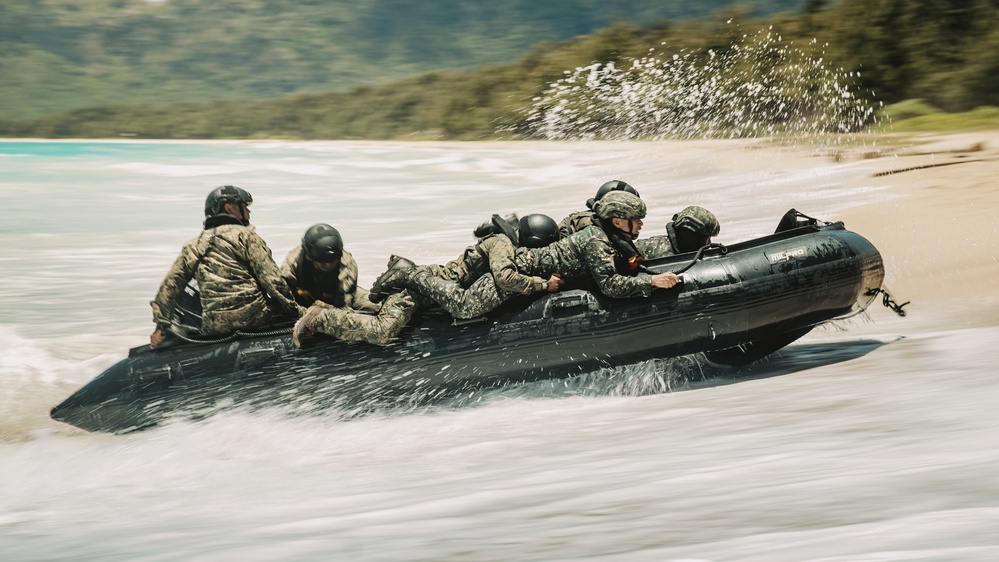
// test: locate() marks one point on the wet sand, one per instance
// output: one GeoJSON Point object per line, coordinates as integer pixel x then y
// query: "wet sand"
{"type": "Point", "coordinates": [934, 215]}
{"type": "Point", "coordinates": [938, 227]}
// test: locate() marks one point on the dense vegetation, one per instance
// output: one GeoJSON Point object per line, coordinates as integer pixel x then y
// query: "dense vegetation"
{"type": "Point", "coordinates": [59, 55]}
{"type": "Point", "coordinates": [943, 52]}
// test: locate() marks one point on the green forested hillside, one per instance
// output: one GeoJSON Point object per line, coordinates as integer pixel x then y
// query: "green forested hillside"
{"type": "Point", "coordinates": [886, 50]}
{"type": "Point", "coordinates": [58, 55]}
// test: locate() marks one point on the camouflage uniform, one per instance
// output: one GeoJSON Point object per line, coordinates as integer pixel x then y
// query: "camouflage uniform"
{"type": "Point", "coordinates": [586, 254]}
{"type": "Point", "coordinates": [241, 286]}
{"type": "Point", "coordinates": [579, 220]}
{"type": "Point", "coordinates": [658, 246]}
{"type": "Point", "coordinates": [352, 321]}
{"type": "Point", "coordinates": [694, 219]}
{"type": "Point", "coordinates": [478, 299]}
{"type": "Point", "coordinates": [574, 223]}
{"type": "Point", "coordinates": [350, 325]}
{"type": "Point", "coordinates": [478, 281]}
{"type": "Point", "coordinates": [345, 289]}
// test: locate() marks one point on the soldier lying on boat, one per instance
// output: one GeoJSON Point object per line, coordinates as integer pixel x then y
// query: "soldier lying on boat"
{"type": "Point", "coordinates": [240, 285]}
{"type": "Point", "coordinates": [603, 252]}
{"type": "Point", "coordinates": [581, 219]}
{"type": "Point", "coordinates": [690, 229]}
{"type": "Point", "coordinates": [323, 276]}
{"type": "Point", "coordinates": [484, 276]}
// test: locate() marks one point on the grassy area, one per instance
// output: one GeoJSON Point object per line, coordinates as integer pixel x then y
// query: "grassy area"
{"type": "Point", "coordinates": [915, 116]}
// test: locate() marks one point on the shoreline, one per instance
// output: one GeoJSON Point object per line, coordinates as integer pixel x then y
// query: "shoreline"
{"type": "Point", "coordinates": [931, 215]}
{"type": "Point", "coordinates": [938, 233]}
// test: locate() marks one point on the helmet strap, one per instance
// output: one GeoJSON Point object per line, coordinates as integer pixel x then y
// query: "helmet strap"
{"type": "Point", "coordinates": [627, 233]}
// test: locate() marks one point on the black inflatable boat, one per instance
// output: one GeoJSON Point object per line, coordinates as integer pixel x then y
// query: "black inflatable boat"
{"type": "Point", "coordinates": [736, 304]}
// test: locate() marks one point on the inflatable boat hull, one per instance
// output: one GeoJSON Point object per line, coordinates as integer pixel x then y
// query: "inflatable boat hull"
{"type": "Point", "coordinates": [765, 289]}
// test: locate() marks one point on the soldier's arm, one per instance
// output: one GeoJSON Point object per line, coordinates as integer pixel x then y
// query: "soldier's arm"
{"type": "Point", "coordinates": [348, 276]}
{"type": "Point", "coordinates": [289, 269]}
{"type": "Point", "coordinates": [267, 273]}
{"type": "Point", "coordinates": [505, 273]}
{"type": "Point", "coordinates": [176, 279]}
{"type": "Point", "coordinates": [599, 257]}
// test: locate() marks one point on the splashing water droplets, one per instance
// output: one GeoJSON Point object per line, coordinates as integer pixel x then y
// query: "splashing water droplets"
{"type": "Point", "coordinates": [757, 86]}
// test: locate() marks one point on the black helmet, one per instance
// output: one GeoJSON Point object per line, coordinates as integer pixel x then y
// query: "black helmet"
{"type": "Point", "coordinates": [613, 185]}
{"type": "Point", "coordinates": [322, 243]}
{"type": "Point", "coordinates": [225, 194]}
{"type": "Point", "coordinates": [537, 231]}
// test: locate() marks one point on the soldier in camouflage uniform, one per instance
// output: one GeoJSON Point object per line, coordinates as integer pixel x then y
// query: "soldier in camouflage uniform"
{"type": "Point", "coordinates": [485, 275]}
{"type": "Point", "coordinates": [581, 219]}
{"type": "Point", "coordinates": [321, 269]}
{"type": "Point", "coordinates": [323, 277]}
{"type": "Point", "coordinates": [603, 252]}
{"type": "Point", "coordinates": [690, 229]}
{"type": "Point", "coordinates": [241, 286]}
{"type": "Point", "coordinates": [350, 325]}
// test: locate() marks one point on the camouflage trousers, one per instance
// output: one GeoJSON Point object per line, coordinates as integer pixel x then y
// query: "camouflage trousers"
{"type": "Point", "coordinates": [655, 247]}
{"type": "Point", "coordinates": [253, 316]}
{"type": "Point", "coordinates": [481, 297]}
{"type": "Point", "coordinates": [379, 329]}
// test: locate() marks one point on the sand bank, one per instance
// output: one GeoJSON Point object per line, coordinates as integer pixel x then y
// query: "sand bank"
{"type": "Point", "coordinates": [939, 234]}
{"type": "Point", "coordinates": [934, 213]}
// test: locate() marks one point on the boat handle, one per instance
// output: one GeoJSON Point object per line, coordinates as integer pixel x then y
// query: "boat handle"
{"type": "Point", "coordinates": [253, 352]}
{"type": "Point", "coordinates": [254, 356]}
{"type": "Point", "coordinates": [572, 301]}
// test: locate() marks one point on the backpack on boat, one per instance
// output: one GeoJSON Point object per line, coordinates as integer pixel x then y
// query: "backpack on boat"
{"type": "Point", "coordinates": [508, 225]}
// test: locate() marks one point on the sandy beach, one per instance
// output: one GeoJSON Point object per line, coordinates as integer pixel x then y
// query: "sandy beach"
{"type": "Point", "coordinates": [940, 236]}
{"type": "Point", "coordinates": [936, 225]}
{"type": "Point", "coordinates": [934, 216]}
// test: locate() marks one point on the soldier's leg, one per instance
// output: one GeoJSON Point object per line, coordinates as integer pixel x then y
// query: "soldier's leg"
{"type": "Point", "coordinates": [379, 329]}
{"type": "Point", "coordinates": [255, 315]}
{"type": "Point", "coordinates": [475, 301]}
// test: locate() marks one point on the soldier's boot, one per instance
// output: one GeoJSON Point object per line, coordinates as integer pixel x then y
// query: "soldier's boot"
{"type": "Point", "coordinates": [395, 313]}
{"type": "Point", "coordinates": [306, 325]}
{"type": "Point", "coordinates": [393, 280]}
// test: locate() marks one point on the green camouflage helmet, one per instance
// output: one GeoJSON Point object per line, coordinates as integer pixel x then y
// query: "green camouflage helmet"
{"type": "Point", "coordinates": [697, 220]}
{"type": "Point", "coordinates": [620, 205]}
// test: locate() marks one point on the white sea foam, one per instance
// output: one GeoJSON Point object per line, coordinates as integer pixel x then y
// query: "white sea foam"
{"type": "Point", "coordinates": [853, 444]}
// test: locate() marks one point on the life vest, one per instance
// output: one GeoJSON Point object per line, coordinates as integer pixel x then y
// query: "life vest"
{"type": "Point", "coordinates": [627, 257]}
{"type": "Point", "coordinates": [313, 285]}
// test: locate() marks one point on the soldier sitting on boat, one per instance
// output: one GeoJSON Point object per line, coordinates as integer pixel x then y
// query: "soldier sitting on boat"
{"type": "Point", "coordinates": [603, 252]}
{"type": "Point", "coordinates": [240, 286]}
{"type": "Point", "coordinates": [323, 276]}
{"type": "Point", "coordinates": [690, 229]}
